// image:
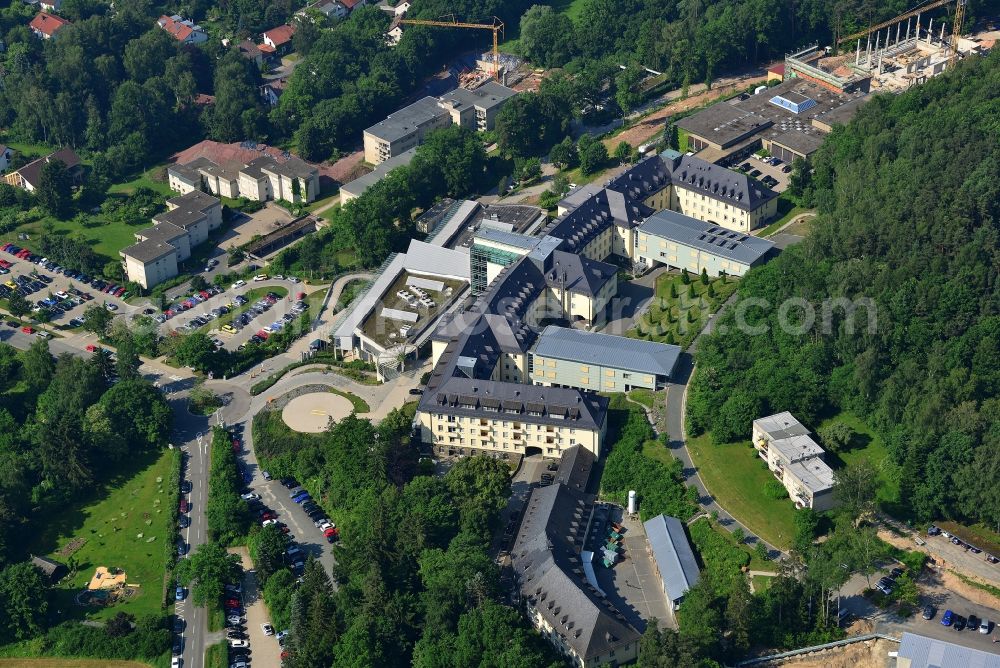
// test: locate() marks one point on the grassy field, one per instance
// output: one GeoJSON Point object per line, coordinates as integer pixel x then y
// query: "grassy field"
{"type": "Point", "coordinates": [678, 319]}
{"type": "Point", "coordinates": [360, 405]}
{"type": "Point", "coordinates": [154, 178]}
{"type": "Point", "coordinates": [867, 446]}
{"type": "Point", "coordinates": [787, 209]}
{"type": "Point", "coordinates": [735, 476]}
{"type": "Point", "coordinates": [217, 656]}
{"type": "Point", "coordinates": [643, 396]}
{"type": "Point", "coordinates": [124, 526]}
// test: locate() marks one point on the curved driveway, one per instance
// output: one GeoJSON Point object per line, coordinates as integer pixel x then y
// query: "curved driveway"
{"type": "Point", "coordinates": [676, 397]}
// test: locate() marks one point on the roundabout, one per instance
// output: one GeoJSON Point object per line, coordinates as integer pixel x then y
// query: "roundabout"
{"type": "Point", "coordinates": [312, 412]}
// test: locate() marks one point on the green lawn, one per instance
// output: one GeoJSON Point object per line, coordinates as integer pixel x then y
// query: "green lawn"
{"type": "Point", "coordinates": [124, 527]}
{"type": "Point", "coordinates": [643, 396]}
{"type": "Point", "coordinates": [735, 476]}
{"type": "Point", "coordinates": [360, 405]}
{"type": "Point", "coordinates": [154, 178]}
{"type": "Point", "coordinates": [678, 319]}
{"type": "Point", "coordinates": [217, 656]}
{"type": "Point", "coordinates": [867, 446]}
{"type": "Point", "coordinates": [787, 209]}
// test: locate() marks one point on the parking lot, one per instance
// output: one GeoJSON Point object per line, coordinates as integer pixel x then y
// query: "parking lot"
{"type": "Point", "coordinates": [752, 164]}
{"type": "Point", "coordinates": [63, 296]}
{"type": "Point", "coordinates": [236, 320]}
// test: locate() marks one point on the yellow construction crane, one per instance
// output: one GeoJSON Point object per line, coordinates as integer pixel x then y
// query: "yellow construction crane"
{"type": "Point", "coordinates": [956, 30]}
{"type": "Point", "coordinates": [496, 27]}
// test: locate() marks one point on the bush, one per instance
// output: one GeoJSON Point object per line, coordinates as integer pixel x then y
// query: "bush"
{"type": "Point", "coordinates": [660, 486]}
{"type": "Point", "coordinates": [775, 490]}
{"type": "Point", "coordinates": [227, 514]}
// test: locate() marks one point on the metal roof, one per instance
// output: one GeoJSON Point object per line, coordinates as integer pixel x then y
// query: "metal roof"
{"type": "Point", "coordinates": [707, 237]}
{"type": "Point", "coordinates": [813, 473]}
{"type": "Point", "coordinates": [507, 238]}
{"type": "Point", "coordinates": [491, 94]}
{"type": "Point", "coordinates": [673, 555]}
{"type": "Point", "coordinates": [781, 425]}
{"type": "Point", "coordinates": [620, 352]}
{"type": "Point", "coordinates": [428, 259]}
{"type": "Point", "coordinates": [924, 652]}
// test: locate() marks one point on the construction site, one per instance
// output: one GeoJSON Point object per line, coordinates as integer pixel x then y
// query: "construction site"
{"type": "Point", "coordinates": [893, 55]}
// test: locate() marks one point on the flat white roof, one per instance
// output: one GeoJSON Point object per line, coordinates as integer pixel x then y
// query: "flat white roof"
{"type": "Point", "coordinates": [425, 283]}
{"type": "Point", "coordinates": [428, 259]}
{"type": "Point", "coordinates": [404, 316]}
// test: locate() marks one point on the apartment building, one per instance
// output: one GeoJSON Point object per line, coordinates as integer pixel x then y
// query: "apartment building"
{"type": "Point", "coordinates": [795, 459]}
{"type": "Point", "coordinates": [476, 109]}
{"type": "Point", "coordinates": [567, 357]}
{"type": "Point", "coordinates": [159, 249]}
{"type": "Point", "coordinates": [406, 128]}
{"type": "Point", "coordinates": [264, 178]}
{"type": "Point", "coordinates": [673, 239]}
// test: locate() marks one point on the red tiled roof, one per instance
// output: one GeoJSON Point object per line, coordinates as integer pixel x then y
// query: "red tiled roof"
{"type": "Point", "coordinates": [280, 35]}
{"type": "Point", "coordinates": [178, 29]}
{"type": "Point", "coordinates": [266, 48]}
{"type": "Point", "coordinates": [47, 23]}
{"type": "Point", "coordinates": [351, 4]}
{"type": "Point", "coordinates": [777, 69]}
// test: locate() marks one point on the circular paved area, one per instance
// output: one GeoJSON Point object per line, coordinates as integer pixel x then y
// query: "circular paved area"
{"type": "Point", "coordinates": [311, 412]}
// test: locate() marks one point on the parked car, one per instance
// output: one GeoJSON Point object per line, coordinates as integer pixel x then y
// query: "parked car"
{"type": "Point", "coordinates": [959, 623]}
{"type": "Point", "coordinates": [267, 629]}
{"type": "Point", "coordinates": [928, 612]}
{"type": "Point", "coordinates": [984, 626]}
{"type": "Point", "coordinates": [239, 643]}
{"type": "Point", "coordinates": [179, 593]}
{"type": "Point", "coordinates": [260, 277]}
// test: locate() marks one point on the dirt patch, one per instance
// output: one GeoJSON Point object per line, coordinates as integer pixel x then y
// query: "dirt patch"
{"type": "Point", "coordinates": [312, 412]}
{"type": "Point", "coordinates": [974, 594]}
{"type": "Point", "coordinates": [71, 547]}
{"type": "Point", "coordinates": [650, 125]}
{"type": "Point", "coordinates": [944, 569]}
{"type": "Point", "coordinates": [346, 169]}
{"type": "Point", "coordinates": [868, 654]}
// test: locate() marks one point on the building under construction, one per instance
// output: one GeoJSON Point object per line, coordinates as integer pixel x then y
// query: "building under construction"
{"type": "Point", "coordinates": [890, 56]}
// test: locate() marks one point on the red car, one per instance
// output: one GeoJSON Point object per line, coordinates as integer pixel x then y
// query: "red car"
{"type": "Point", "coordinates": [236, 446]}
{"type": "Point", "coordinates": [184, 506]}
{"type": "Point", "coordinates": [91, 348]}
{"type": "Point", "coordinates": [119, 292]}
{"type": "Point", "coordinates": [262, 334]}
{"type": "Point", "coordinates": [27, 330]}
{"type": "Point", "coordinates": [232, 603]}
{"type": "Point", "coordinates": [301, 295]}
{"type": "Point", "coordinates": [332, 531]}
{"type": "Point", "coordinates": [269, 515]}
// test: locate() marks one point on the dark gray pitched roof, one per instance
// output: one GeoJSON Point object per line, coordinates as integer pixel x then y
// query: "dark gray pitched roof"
{"type": "Point", "coordinates": [549, 571]}
{"type": "Point", "coordinates": [578, 274]}
{"type": "Point", "coordinates": [744, 248]}
{"type": "Point", "coordinates": [165, 232]}
{"type": "Point", "coordinates": [147, 251]}
{"type": "Point", "coordinates": [575, 467]}
{"type": "Point", "coordinates": [457, 394]}
{"type": "Point", "coordinates": [195, 200]}
{"type": "Point", "coordinates": [723, 184]}
{"type": "Point", "coordinates": [619, 352]}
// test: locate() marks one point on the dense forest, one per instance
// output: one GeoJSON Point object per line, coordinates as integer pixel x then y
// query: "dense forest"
{"type": "Point", "coordinates": [909, 217]}
{"type": "Point", "coordinates": [416, 583]}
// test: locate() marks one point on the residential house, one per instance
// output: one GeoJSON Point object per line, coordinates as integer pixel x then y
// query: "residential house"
{"type": "Point", "coordinates": [6, 154]}
{"type": "Point", "coordinates": [45, 25]}
{"type": "Point", "coordinates": [331, 9]}
{"type": "Point", "coordinates": [251, 51]}
{"type": "Point", "coordinates": [279, 39]}
{"type": "Point", "coordinates": [183, 30]}
{"type": "Point", "coordinates": [50, 5]}
{"type": "Point", "coordinates": [29, 176]}
{"type": "Point", "coordinates": [795, 459]}
{"type": "Point", "coordinates": [271, 91]}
